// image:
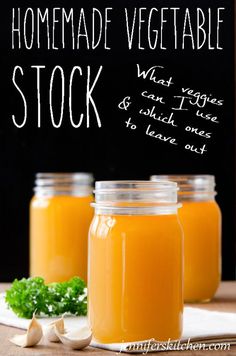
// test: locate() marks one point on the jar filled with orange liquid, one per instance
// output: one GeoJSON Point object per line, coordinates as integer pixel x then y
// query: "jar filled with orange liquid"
{"type": "Point", "coordinates": [135, 262]}
{"type": "Point", "coordinates": [60, 215]}
{"type": "Point", "coordinates": [200, 218]}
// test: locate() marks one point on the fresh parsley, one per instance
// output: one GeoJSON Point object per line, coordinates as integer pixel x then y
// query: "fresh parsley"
{"type": "Point", "coordinates": [27, 296]}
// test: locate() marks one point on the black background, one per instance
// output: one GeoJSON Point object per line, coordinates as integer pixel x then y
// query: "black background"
{"type": "Point", "coordinates": [112, 151]}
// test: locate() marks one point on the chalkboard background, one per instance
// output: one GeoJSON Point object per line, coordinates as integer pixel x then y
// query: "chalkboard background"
{"type": "Point", "coordinates": [112, 151]}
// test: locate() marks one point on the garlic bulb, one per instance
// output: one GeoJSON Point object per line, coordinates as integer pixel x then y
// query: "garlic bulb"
{"type": "Point", "coordinates": [49, 330]}
{"type": "Point", "coordinates": [32, 337]}
{"type": "Point", "coordinates": [76, 339]}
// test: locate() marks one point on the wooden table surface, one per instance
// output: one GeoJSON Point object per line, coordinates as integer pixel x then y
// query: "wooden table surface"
{"type": "Point", "coordinates": [225, 300]}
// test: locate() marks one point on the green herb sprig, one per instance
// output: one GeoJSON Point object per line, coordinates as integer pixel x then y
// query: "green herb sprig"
{"type": "Point", "coordinates": [27, 296]}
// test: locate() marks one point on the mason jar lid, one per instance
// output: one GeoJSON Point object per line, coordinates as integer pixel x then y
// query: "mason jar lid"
{"type": "Point", "coordinates": [63, 183]}
{"type": "Point", "coordinates": [198, 186]}
{"type": "Point", "coordinates": [133, 197]}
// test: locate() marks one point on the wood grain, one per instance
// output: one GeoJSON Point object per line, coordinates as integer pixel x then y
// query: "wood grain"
{"type": "Point", "coordinates": [225, 300]}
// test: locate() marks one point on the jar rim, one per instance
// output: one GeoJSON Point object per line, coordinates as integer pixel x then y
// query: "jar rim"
{"type": "Point", "coordinates": [135, 194]}
{"type": "Point", "coordinates": [63, 183]}
{"type": "Point", "coordinates": [63, 176]}
{"type": "Point", "coordinates": [135, 184]}
{"type": "Point", "coordinates": [190, 182]}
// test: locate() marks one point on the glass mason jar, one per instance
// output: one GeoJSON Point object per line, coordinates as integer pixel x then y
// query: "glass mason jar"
{"type": "Point", "coordinates": [135, 262]}
{"type": "Point", "coordinates": [60, 215]}
{"type": "Point", "coordinates": [200, 218]}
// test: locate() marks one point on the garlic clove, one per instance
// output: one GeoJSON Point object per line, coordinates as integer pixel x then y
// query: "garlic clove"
{"type": "Point", "coordinates": [76, 339]}
{"type": "Point", "coordinates": [49, 330]}
{"type": "Point", "coordinates": [32, 337]}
